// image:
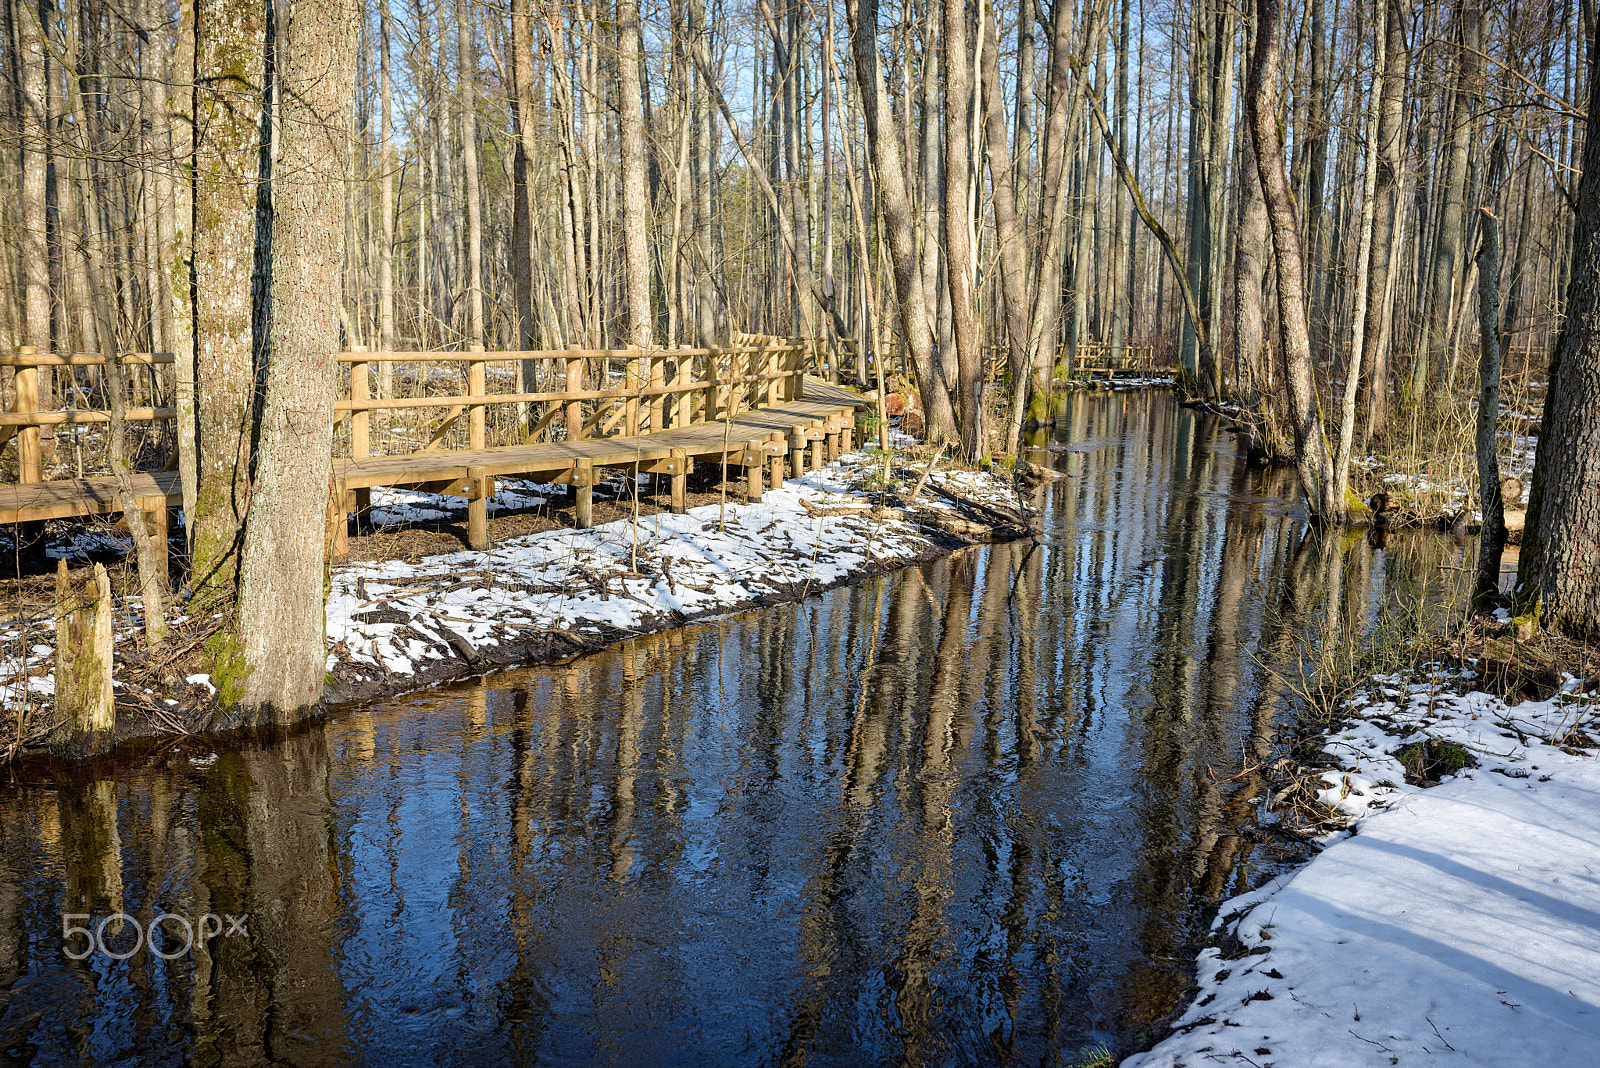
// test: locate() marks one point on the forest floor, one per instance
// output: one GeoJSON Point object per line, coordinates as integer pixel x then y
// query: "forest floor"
{"type": "Point", "coordinates": [1442, 919]}
{"type": "Point", "coordinates": [414, 607]}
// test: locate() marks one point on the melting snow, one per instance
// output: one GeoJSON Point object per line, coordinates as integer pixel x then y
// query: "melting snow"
{"type": "Point", "coordinates": [1460, 922]}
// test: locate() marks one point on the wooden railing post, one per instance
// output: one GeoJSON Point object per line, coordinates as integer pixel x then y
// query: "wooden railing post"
{"type": "Point", "coordinates": [713, 405]}
{"type": "Point", "coordinates": [794, 388]}
{"type": "Point", "coordinates": [658, 403]}
{"type": "Point", "coordinates": [480, 487]}
{"type": "Point", "coordinates": [30, 454]}
{"type": "Point", "coordinates": [477, 386]}
{"type": "Point", "coordinates": [360, 432]}
{"type": "Point", "coordinates": [682, 403]}
{"type": "Point", "coordinates": [630, 407]}
{"type": "Point", "coordinates": [574, 416]}
{"type": "Point", "coordinates": [583, 484]}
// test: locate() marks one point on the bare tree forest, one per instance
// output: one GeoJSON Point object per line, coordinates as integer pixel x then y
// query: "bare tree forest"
{"type": "Point", "coordinates": [1283, 197]}
{"type": "Point", "coordinates": [495, 174]}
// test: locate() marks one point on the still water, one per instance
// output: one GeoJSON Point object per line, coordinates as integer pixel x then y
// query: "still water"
{"type": "Point", "coordinates": [972, 812]}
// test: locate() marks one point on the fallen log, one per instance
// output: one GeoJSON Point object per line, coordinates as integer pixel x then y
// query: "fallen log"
{"type": "Point", "coordinates": [996, 515]}
{"type": "Point", "coordinates": [849, 509]}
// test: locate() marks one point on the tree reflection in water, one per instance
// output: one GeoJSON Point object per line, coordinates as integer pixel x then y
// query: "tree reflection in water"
{"type": "Point", "coordinates": [972, 811]}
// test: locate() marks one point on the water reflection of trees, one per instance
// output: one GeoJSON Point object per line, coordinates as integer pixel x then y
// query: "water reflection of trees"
{"type": "Point", "coordinates": [969, 811]}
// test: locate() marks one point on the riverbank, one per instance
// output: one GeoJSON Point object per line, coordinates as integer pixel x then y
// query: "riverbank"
{"type": "Point", "coordinates": [1460, 919]}
{"type": "Point", "coordinates": [399, 624]}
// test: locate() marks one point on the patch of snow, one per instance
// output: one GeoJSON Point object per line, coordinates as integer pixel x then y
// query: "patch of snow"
{"type": "Point", "coordinates": [1459, 922]}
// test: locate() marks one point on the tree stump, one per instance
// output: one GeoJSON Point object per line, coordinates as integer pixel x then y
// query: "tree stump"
{"type": "Point", "coordinates": [85, 708]}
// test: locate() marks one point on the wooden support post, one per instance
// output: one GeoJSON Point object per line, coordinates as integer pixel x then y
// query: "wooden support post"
{"type": "Point", "coordinates": [833, 443]}
{"type": "Point", "coordinates": [30, 454]}
{"type": "Point", "coordinates": [477, 385]}
{"type": "Point", "coordinates": [777, 462]}
{"type": "Point", "coordinates": [847, 442]}
{"type": "Point", "coordinates": [797, 450]}
{"type": "Point", "coordinates": [752, 480]}
{"type": "Point", "coordinates": [480, 487]}
{"type": "Point", "coordinates": [680, 481]}
{"type": "Point", "coordinates": [157, 522]}
{"type": "Point", "coordinates": [816, 454]}
{"type": "Point", "coordinates": [583, 482]}
{"type": "Point", "coordinates": [338, 535]}
{"type": "Point", "coordinates": [360, 433]}
{"type": "Point", "coordinates": [574, 416]}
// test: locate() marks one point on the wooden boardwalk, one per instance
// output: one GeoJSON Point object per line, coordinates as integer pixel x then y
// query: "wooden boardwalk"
{"type": "Point", "coordinates": [676, 408]}
{"type": "Point", "coordinates": [776, 436]}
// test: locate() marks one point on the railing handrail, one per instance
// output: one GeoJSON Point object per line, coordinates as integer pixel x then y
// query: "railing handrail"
{"type": "Point", "coordinates": [755, 372]}
{"type": "Point", "coordinates": [81, 359]}
{"type": "Point", "coordinates": [506, 356]}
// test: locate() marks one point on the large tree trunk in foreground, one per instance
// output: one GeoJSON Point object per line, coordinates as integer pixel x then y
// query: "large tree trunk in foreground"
{"type": "Point", "coordinates": [280, 617]}
{"type": "Point", "coordinates": [228, 75]}
{"type": "Point", "coordinates": [1561, 542]}
{"type": "Point", "coordinates": [1310, 444]}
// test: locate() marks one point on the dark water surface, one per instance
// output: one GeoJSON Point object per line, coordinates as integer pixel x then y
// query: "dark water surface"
{"type": "Point", "coordinates": [968, 813]}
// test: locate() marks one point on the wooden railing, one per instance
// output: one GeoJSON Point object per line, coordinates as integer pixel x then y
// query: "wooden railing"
{"type": "Point", "coordinates": [25, 421]}
{"type": "Point", "coordinates": [651, 390]}
{"type": "Point", "coordinates": [658, 390]}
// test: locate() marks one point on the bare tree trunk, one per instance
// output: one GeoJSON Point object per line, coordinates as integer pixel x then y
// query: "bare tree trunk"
{"type": "Point", "coordinates": [1013, 272]}
{"type": "Point", "coordinates": [34, 258]}
{"type": "Point", "coordinates": [635, 207]}
{"type": "Point", "coordinates": [1391, 158]}
{"type": "Point", "coordinates": [957, 228]}
{"type": "Point", "coordinates": [1492, 534]}
{"type": "Point", "coordinates": [1369, 184]}
{"type": "Point", "coordinates": [280, 638]}
{"type": "Point", "coordinates": [386, 337]}
{"type": "Point", "coordinates": [467, 72]}
{"type": "Point", "coordinates": [1115, 294]}
{"type": "Point", "coordinates": [1310, 444]}
{"type": "Point", "coordinates": [1252, 353]}
{"type": "Point", "coordinates": [896, 213]}
{"type": "Point", "coordinates": [1063, 126]}
{"type": "Point", "coordinates": [229, 75]}
{"type": "Point", "coordinates": [1434, 356]}
{"type": "Point", "coordinates": [1560, 558]}
{"type": "Point", "coordinates": [574, 259]}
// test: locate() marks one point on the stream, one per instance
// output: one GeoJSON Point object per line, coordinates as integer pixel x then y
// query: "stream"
{"type": "Point", "coordinates": [975, 811]}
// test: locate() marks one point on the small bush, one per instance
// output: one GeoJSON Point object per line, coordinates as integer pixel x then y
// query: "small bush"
{"type": "Point", "coordinates": [1429, 761]}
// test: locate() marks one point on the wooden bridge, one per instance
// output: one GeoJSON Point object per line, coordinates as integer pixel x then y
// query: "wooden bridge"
{"type": "Point", "coordinates": [752, 407]}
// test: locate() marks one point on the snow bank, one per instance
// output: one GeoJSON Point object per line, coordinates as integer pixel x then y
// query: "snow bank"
{"type": "Point", "coordinates": [396, 619]}
{"type": "Point", "coordinates": [395, 625]}
{"type": "Point", "coordinates": [1460, 922]}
